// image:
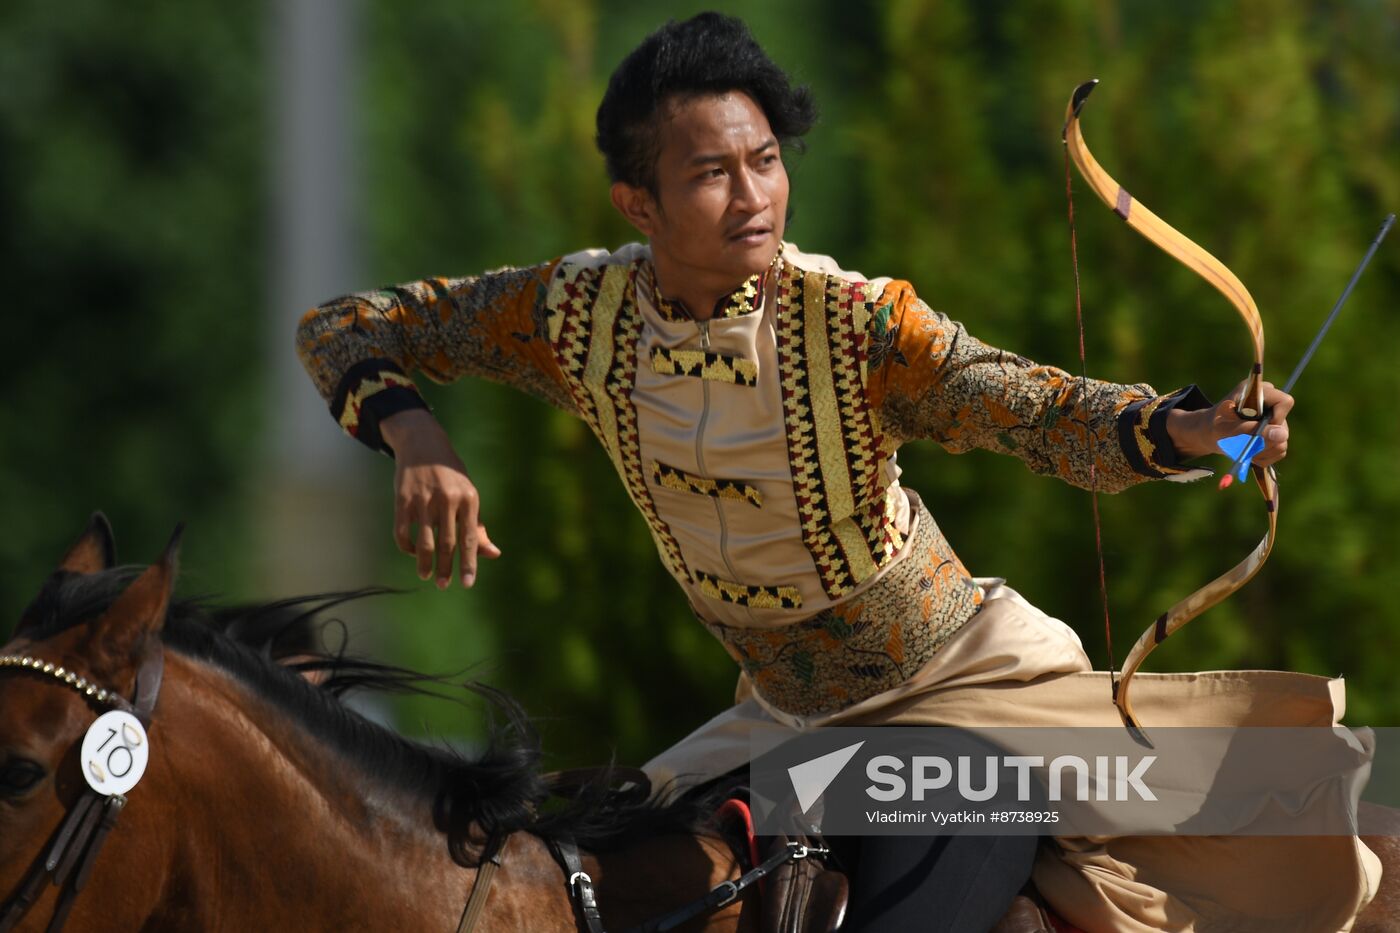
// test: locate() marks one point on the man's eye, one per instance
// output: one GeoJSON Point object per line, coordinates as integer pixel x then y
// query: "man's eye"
{"type": "Point", "coordinates": [19, 775]}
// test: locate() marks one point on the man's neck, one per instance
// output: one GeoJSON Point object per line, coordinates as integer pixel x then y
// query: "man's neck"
{"type": "Point", "coordinates": [697, 290]}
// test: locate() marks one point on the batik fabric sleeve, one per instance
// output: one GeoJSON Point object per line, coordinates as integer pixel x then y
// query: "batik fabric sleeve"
{"type": "Point", "coordinates": [361, 349]}
{"type": "Point", "coordinates": [930, 379]}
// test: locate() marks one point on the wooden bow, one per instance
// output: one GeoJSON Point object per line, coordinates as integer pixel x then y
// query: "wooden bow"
{"type": "Point", "coordinates": [1250, 403]}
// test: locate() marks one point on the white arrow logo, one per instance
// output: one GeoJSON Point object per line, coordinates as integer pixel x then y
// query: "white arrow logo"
{"type": "Point", "coordinates": [811, 778]}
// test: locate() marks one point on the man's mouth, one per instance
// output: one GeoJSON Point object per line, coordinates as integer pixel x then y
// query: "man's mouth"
{"type": "Point", "coordinates": [752, 235]}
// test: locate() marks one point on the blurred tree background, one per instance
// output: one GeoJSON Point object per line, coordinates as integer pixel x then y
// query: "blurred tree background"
{"type": "Point", "coordinates": [135, 196]}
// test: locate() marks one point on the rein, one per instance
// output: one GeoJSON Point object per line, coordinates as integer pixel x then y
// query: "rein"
{"type": "Point", "coordinates": [73, 848]}
{"type": "Point", "coordinates": [726, 892]}
{"type": "Point", "coordinates": [582, 895]}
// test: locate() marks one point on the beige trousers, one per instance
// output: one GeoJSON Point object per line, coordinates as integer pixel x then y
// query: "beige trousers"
{"type": "Point", "coordinates": [1012, 665]}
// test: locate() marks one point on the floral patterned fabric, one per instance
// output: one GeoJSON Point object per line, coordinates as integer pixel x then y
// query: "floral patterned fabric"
{"type": "Point", "coordinates": [933, 380]}
{"type": "Point", "coordinates": [865, 645]}
{"type": "Point", "coordinates": [358, 349]}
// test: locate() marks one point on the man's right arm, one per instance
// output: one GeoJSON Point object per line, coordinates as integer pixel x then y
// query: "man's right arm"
{"type": "Point", "coordinates": [359, 351]}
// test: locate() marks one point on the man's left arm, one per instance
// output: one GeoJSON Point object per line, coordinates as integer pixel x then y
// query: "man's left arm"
{"type": "Point", "coordinates": [930, 379]}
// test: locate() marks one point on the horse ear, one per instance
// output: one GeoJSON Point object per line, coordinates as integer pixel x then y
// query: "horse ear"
{"type": "Point", "coordinates": [139, 612]}
{"type": "Point", "coordinates": [94, 551]}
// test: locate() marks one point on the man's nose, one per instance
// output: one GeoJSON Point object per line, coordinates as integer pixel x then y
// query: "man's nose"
{"type": "Point", "coordinates": [748, 196]}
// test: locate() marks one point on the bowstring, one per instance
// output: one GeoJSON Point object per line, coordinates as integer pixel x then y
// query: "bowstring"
{"type": "Point", "coordinates": [1088, 431]}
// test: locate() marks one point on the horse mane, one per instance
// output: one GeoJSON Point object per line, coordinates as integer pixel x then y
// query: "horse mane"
{"type": "Point", "coordinates": [500, 790]}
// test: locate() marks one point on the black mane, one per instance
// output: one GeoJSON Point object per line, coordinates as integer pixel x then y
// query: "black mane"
{"type": "Point", "coordinates": [501, 790]}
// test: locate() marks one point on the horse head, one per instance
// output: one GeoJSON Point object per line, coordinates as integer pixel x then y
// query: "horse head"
{"type": "Point", "coordinates": [75, 653]}
{"type": "Point", "coordinates": [238, 752]}
{"type": "Point", "coordinates": [265, 800]}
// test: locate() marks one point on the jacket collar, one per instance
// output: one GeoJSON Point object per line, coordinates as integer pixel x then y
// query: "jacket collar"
{"type": "Point", "coordinates": [743, 300]}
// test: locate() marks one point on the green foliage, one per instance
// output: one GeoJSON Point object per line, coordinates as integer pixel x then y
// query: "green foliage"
{"type": "Point", "coordinates": [939, 160]}
{"type": "Point", "coordinates": [1268, 151]}
{"type": "Point", "coordinates": [131, 190]}
{"type": "Point", "coordinates": [130, 193]}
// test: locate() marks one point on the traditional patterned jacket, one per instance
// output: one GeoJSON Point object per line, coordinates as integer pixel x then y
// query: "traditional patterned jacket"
{"type": "Point", "coordinates": [759, 445]}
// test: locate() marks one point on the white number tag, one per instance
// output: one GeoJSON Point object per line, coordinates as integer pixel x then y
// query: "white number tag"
{"type": "Point", "coordinates": [115, 752]}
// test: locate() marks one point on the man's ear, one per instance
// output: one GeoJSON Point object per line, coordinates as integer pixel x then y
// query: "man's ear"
{"type": "Point", "coordinates": [637, 205]}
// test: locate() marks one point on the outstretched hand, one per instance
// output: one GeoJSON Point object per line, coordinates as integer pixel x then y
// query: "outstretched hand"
{"type": "Point", "coordinates": [1196, 433]}
{"type": "Point", "coordinates": [433, 494]}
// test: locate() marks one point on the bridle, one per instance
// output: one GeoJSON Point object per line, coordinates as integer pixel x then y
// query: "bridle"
{"type": "Point", "coordinates": [582, 895]}
{"type": "Point", "coordinates": [73, 849]}
{"type": "Point", "coordinates": [579, 885]}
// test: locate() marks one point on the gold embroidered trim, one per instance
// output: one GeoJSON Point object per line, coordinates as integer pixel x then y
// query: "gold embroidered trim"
{"type": "Point", "coordinates": [1144, 441]}
{"type": "Point", "coordinates": [681, 481]}
{"type": "Point", "coordinates": [598, 328]}
{"type": "Point", "coordinates": [705, 364]}
{"type": "Point", "coordinates": [834, 445]}
{"type": "Point", "coordinates": [350, 414]}
{"type": "Point", "coordinates": [736, 304]}
{"type": "Point", "coordinates": [601, 353]}
{"type": "Point", "coordinates": [758, 597]}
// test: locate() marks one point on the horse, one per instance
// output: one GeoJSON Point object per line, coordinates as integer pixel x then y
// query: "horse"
{"type": "Point", "coordinates": [267, 802]}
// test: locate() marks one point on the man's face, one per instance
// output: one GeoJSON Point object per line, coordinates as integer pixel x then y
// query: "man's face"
{"type": "Point", "coordinates": [721, 188]}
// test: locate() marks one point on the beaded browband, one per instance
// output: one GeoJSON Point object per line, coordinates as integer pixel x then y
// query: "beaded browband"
{"type": "Point", "coordinates": [74, 847]}
{"type": "Point", "coordinates": [71, 678]}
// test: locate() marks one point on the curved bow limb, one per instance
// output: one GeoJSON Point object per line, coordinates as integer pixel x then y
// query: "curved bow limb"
{"type": "Point", "coordinates": [1208, 596]}
{"type": "Point", "coordinates": [1249, 403]}
{"type": "Point", "coordinates": [1169, 240]}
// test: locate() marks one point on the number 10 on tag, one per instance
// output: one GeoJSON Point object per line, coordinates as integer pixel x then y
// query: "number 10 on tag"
{"type": "Point", "coordinates": [115, 752]}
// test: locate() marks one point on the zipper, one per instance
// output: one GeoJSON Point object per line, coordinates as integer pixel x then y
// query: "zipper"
{"type": "Point", "coordinates": [705, 405]}
{"type": "Point", "coordinates": [700, 455]}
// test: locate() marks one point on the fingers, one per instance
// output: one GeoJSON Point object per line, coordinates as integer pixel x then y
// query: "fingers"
{"type": "Point", "coordinates": [453, 515]}
{"type": "Point", "coordinates": [410, 510]}
{"type": "Point", "coordinates": [466, 518]}
{"type": "Point", "coordinates": [485, 547]}
{"type": "Point", "coordinates": [1275, 433]}
{"type": "Point", "coordinates": [1275, 445]}
{"type": "Point", "coordinates": [446, 545]}
{"type": "Point", "coordinates": [425, 548]}
{"type": "Point", "coordinates": [443, 508]}
{"type": "Point", "coordinates": [403, 522]}
{"type": "Point", "coordinates": [1280, 402]}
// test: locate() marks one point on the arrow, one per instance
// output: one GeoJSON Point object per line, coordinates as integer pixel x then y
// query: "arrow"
{"type": "Point", "coordinates": [1242, 450]}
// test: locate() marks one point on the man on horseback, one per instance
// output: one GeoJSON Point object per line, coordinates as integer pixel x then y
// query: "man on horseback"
{"type": "Point", "coordinates": [752, 398]}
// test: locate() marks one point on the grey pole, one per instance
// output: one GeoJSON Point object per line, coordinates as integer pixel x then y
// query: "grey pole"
{"type": "Point", "coordinates": [317, 514]}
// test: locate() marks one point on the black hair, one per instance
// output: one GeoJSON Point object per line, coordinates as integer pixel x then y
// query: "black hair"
{"type": "Point", "coordinates": [708, 54]}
